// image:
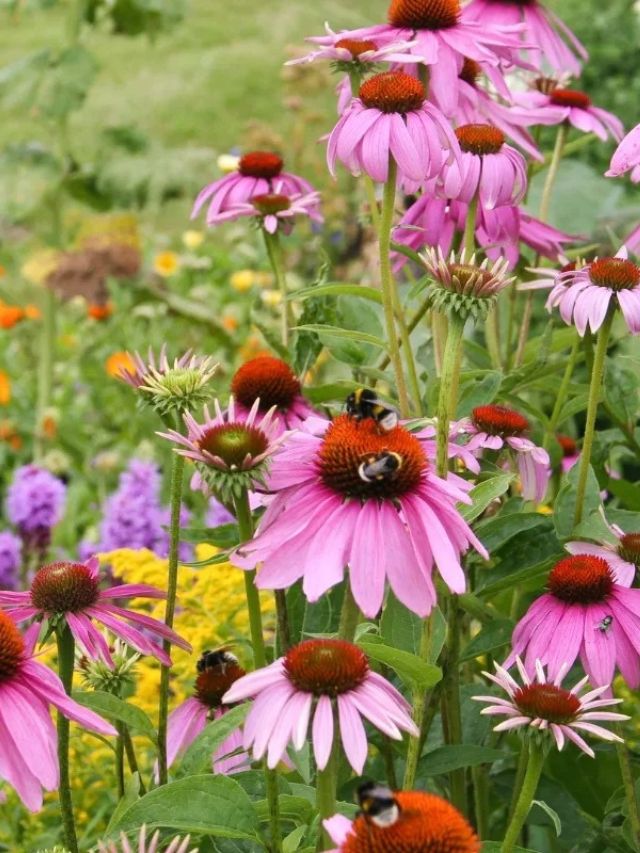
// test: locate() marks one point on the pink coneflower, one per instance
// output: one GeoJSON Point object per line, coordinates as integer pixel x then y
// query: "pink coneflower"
{"type": "Point", "coordinates": [358, 54]}
{"type": "Point", "coordinates": [626, 157]}
{"type": "Point", "coordinates": [351, 494]}
{"type": "Point", "coordinates": [271, 381]}
{"type": "Point", "coordinates": [392, 118]}
{"type": "Point", "coordinates": [496, 428]}
{"type": "Point", "coordinates": [427, 438]}
{"type": "Point", "coordinates": [217, 671]}
{"type": "Point", "coordinates": [488, 168]}
{"type": "Point", "coordinates": [584, 296]}
{"type": "Point", "coordinates": [72, 590]}
{"type": "Point", "coordinates": [257, 173]}
{"type": "Point", "coordinates": [275, 209]}
{"type": "Point", "coordinates": [586, 613]}
{"type": "Point", "coordinates": [623, 555]}
{"type": "Point", "coordinates": [570, 105]}
{"type": "Point", "coordinates": [319, 677]}
{"type": "Point", "coordinates": [557, 44]}
{"type": "Point", "coordinates": [547, 277]}
{"type": "Point", "coordinates": [176, 845]}
{"type": "Point", "coordinates": [28, 757]}
{"type": "Point", "coordinates": [543, 704]}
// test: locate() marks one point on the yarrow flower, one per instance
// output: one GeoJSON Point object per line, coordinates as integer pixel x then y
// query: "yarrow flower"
{"type": "Point", "coordinates": [403, 821]}
{"type": "Point", "coordinates": [584, 295]}
{"type": "Point", "coordinates": [35, 504]}
{"type": "Point", "coordinates": [391, 117]}
{"type": "Point", "coordinates": [256, 174]}
{"type": "Point", "coordinates": [317, 676]}
{"type": "Point", "coordinates": [10, 555]}
{"type": "Point", "coordinates": [570, 105]}
{"type": "Point", "coordinates": [152, 845]}
{"type": "Point", "coordinates": [275, 210]}
{"type": "Point", "coordinates": [587, 613]}
{"type": "Point", "coordinates": [496, 428]}
{"type": "Point", "coordinates": [623, 555]}
{"type": "Point", "coordinates": [542, 704]}
{"type": "Point", "coordinates": [170, 387]}
{"type": "Point", "coordinates": [348, 493]}
{"type": "Point", "coordinates": [462, 286]}
{"type": "Point", "coordinates": [626, 157]}
{"type": "Point", "coordinates": [71, 592]}
{"type": "Point", "coordinates": [217, 672]}
{"type": "Point", "coordinates": [274, 384]}
{"type": "Point", "coordinates": [28, 757]}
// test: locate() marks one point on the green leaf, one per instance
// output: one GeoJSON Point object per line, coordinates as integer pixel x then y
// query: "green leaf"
{"type": "Point", "coordinates": [444, 759]}
{"type": "Point", "coordinates": [399, 626]}
{"type": "Point", "coordinates": [113, 708]}
{"type": "Point", "coordinates": [492, 636]}
{"type": "Point", "coordinates": [336, 289]}
{"type": "Point", "coordinates": [495, 532]}
{"type": "Point", "coordinates": [131, 796]}
{"type": "Point", "coordinates": [496, 847]}
{"type": "Point", "coordinates": [412, 669]}
{"type": "Point", "coordinates": [565, 505]}
{"type": "Point", "coordinates": [333, 391]}
{"type": "Point", "coordinates": [198, 756]}
{"type": "Point", "coordinates": [524, 577]}
{"type": "Point", "coordinates": [297, 809]}
{"type": "Point", "coordinates": [65, 86]}
{"type": "Point", "coordinates": [270, 337]}
{"type": "Point", "coordinates": [343, 334]}
{"type": "Point", "coordinates": [483, 494]}
{"type": "Point", "coordinates": [222, 536]}
{"type": "Point", "coordinates": [478, 391]}
{"type": "Point", "coordinates": [557, 824]}
{"type": "Point", "coordinates": [204, 805]}
{"type": "Point", "coordinates": [561, 340]}
{"type": "Point", "coordinates": [291, 842]}
{"type": "Point", "coordinates": [628, 493]}
{"type": "Point", "coordinates": [21, 80]}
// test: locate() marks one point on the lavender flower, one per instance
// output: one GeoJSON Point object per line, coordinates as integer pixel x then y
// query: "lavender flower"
{"type": "Point", "coordinates": [218, 514]}
{"type": "Point", "coordinates": [10, 553]}
{"type": "Point", "coordinates": [35, 504]}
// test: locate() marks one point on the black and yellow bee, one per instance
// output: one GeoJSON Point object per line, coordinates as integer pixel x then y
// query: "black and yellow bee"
{"type": "Point", "coordinates": [220, 658]}
{"type": "Point", "coordinates": [381, 466]}
{"type": "Point", "coordinates": [378, 804]}
{"type": "Point", "coordinates": [363, 403]}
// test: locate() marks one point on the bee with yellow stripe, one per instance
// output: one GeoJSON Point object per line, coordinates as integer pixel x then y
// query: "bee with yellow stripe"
{"type": "Point", "coordinates": [363, 403]}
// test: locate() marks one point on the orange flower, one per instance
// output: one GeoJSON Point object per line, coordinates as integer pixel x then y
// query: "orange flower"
{"type": "Point", "coordinates": [32, 312]}
{"type": "Point", "coordinates": [118, 361]}
{"type": "Point", "coordinates": [8, 433]}
{"type": "Point", "coordinates": [100, 311]}
{"type": "Point", "coordinates": [10, 315]}
{"type": "Point", "coordinates": [5, 389]}
{"type": "Point", "coordinates": [229, 322]}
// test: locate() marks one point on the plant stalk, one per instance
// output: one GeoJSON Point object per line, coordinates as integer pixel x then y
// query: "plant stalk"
{"type": "Point", "coordinates": [326, 782]}
{"type": "Point", "coordinates": [629, 788]}
{"type": "Point", "coordinates": [274, 251]}
{"type": "Point", "coordinates": [66, 647]}
{"type": "Point", "coordinates": [525, 797]}
{"type": "Point", "coordinates": [447, 397]}
{"type": "Point", "coordinates": [414, 748]}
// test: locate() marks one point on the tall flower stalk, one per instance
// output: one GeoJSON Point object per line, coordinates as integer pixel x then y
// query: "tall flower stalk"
{"type": "Point", "coordinates": [66, 659]}
{"type": "Point", "coordinates": [276, 259]}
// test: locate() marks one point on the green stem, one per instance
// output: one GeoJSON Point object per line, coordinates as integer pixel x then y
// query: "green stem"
{"type": "Point", "coordinates": [414, 749]}
{"type": "Point", "coordinates": [370, 189]}
{"type": "Point", "coordinates": [45, 366]}
{"type": "Point", "coordinates": [521, 769]}
{"type": "Point", "coordinates": [66, 645]}
{"type": "Point", "coordinates": [592, 409]}
{"type": "Point", "coordinates": [175, 499]}
{"type": "Point", "coordinates": [492, 337]}
{"type": "Point", "coordinates": [131, 757]}
{"type": "Point", "coordinates": [120, 760]}
{"type": "Point", "coordinates": [245, 529]}
{"type": "Point", "coordinates": [451, 696]}
{"type": "Point", "coordinates": [407, 350]}
{"type": "Point", "coordinates": [629, 789]}
{"type": "Point", "coordinates": [271, 787]}
{"type": "Point", "coordinates": [561, 396]}
{"type": "Point", "coordinates": [326, 782]}
{"type": "Point", "coordinates": [388, 286]}
{"type": "Point", "coordinates": [349, 615]}
{"type": "Point", "coordinates": [480, 799]}
{"type": "Point", "coordinates": [469, 237]}
{"type": "Point", "coordinates": [282, 621]}
{"type": "Point", "coordinates": [535, 764]}
{"type": "Point", "coordinates": [447, 397]}
{"type": "Point", "coordinates": [274, 251]}
{"type": "Point", "coordinates": [411, 325]}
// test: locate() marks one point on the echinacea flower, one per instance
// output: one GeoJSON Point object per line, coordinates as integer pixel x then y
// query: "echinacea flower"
{"type": "Point", "coordinates": [626, 157]}
{"type": "Point", "coordinates": [349, 493]}
{"type": "Point", "coordinates": [587, 613]}
{"type": "Point", "coordinates": [275, 209]}
{"type": "Point", "coordinates": [357, 54]}
{"type": "Point", "coordinates": [391, 117]}
{"type": "Point", "coordinates": [142, 845]}
{"type": "Point", "coordinates": [273, 383]}
{"type": "Point", "coordinates": [558, 46]}
{"type": "Point", "coordinates": [71, 591]}
{"type": "Point", "coordinates": [622, 555]}
{"type": "Point", "coordinates": [584, 295]}
{"type": "Point", "coordinates": [558, 105]}
{"type": "Point", "coordinates": [316, 678]}
{"type": "Point", "coordinates": [427, 438]}
{"type": "Point", "coordinates": [402, 821]}
{"type": "Point", "coordinates": [28, 757]}
{"type": "Point", "coordinates": [256, 174]}
{"type": "Point", "coordinates": [542, 704]}
{"type": "Point", "coordinates": [496, 428]}
{"type": "Point", "coordinates": [217, 672]}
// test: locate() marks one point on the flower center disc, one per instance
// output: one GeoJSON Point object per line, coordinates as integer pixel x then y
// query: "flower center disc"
{"type": "Point", "coordinates": [260, 164]}
{"type": "Point", "coordinates": [348, 443]}
{"type": "Point", "coordinates": [480, 138]}
{"type": "Point", "coordinates": [568, 445]}
{"type": "Point", "coordinates": [426, 824]}
{"type": "Point", "coordinates": [270, 379]}
{"type": "Point", "coordinates": [392, 92]}
{"type": "Point", "coordinates": [581, 579]}
{"type": "Point", "coordinates": [64, 587]}
{"type": "Point", "coordinates": [570, 98]}
{"type": "Point", "coordinates": [629, 548]}
{"type": "Point", "coordinates": [270, 203]}
{"type": "Point", "coordinates": [499, 420]}
{"type": "Point", "coordinates": [326, 667]}
{"type": "Point", "coordinates": [547, 702]}
{"type": "Point", "coordinates": [11, 647]}
{"type": "Point", "coordinates": [232, 442]}
{"type": "Point", "coordinates": [424, 14]}
{"type": "Point", "coordinates": [213, 683]}
{"type": "Point", "coordinates": [355, 47]}
{"type": "Point", "coordinates": [614, 273]}
{"type": "Point", "coordinates": [471, 70]}
{"type": "Point", "coordinates": [469, 278]}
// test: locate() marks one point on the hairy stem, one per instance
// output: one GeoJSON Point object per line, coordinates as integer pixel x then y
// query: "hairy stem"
{"type": "Point", "coordinates": [326, 782]}
{"type": "Point", "coordinates": [447, 396]}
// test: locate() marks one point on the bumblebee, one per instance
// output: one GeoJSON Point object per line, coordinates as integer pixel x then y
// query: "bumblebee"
{"type": "Point", "coordinates": [363, 403]}
{"type": "Point", "coordinates": [382, 466]}
{"type": "Point", "coordinates": [378, 804]}
{"type": "Point", "coordinates": [220, 658]}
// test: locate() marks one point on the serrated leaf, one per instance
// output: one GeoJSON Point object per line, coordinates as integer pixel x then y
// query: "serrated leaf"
{"type": "Point", "coordinates": [198, 755]}
{"type": "Point", "coordinates": [413, 670]}
{"type": "Point", "coordinates": [444, 759]}
{"type": "Point", "coordinates": [117, 709]}
{"type": "Point", "coordinates": [484, 493]}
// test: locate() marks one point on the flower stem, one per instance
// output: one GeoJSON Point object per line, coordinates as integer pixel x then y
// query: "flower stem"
{"type": "Point", "coordinates": [349, 615]}
{"type": "Point", "coordinates": [452, 722]}
{"type": "Point", "coordinates": [595, 388]}
{"type": "Point", "coordinates": [131, 757]}
{"type": "Point", "coordinates": [45, 366]}
{"type": "Point", "coordinates": [561, 396]}
{"type": "Point", "coordinates": [282, 619]}
{"type": "Point", "coordinates": [66, 646]}
{"type": "Point", "coordinates": [388, 286]}
{"type": "Point", "coordinates": [175, 500]}
{"type": "Point", "coordinates": [629, 789]}
{"type": "Point", "coordinates": [326, 781]}
{"type": "Point", "coordinates": [521, 769]}
{"type": "Point", "coordinates": [447, 397]}
{"type": "Point", "coordinates": [120, 760]}
{"type": "Point", "coordinates": [469, 237]}
{"type": "Point", "coordinates": [419, 707]}
{"type": "Point", "coordinates": [525, 797]}
{"type": "Point", "coordinates": [274, 250]}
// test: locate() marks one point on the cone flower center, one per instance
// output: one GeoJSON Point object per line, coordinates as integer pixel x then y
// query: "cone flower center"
{"type": "Point", "coordinates": [470, 279]}
{"type": "Point", "coordinates": [267, 378]}
{"type": "Point", "coordinates": [270, 203]}
{"type": "Point", "coordinates": [426, 824]}
{"type": "Point", "coordinates": [424, 14]}
{"type": "Point", "coordinates": [581, 579]}
{"type": "Point", "coordinates": [629, 548]}
{"type": "Point", "coordinates": [570, 98]}
{"type": "Point", "coordinates": [568, 445]}
{"type": "Point", "coordinates": [614, 273]}
{"type": "Point", "coordinates": [234, 442]}
{"type": "Point", "coordinates": [499, 420]}
{"type": "Point", "coordinates": [547, 702]}
{"type": "Point", "coordinates": [326, 667]}
{"type": "Point", "coordinates": [392, 92]}
{"type": "Point", "coordinates": [213, 682]}
{"type": "Point", "coordinates": [351, 459]}
{"type": "Point", "coordinates": [64, 587]}
{"type": "Point", "coordinates": [355, 47]}
{"type": "Point", "coordinates": [471, 70]}
{"type": "Point", "coordinates": [480, 138]}
{"type": "Point", "coordinates": [260, 164]}
{"type": "Point", "coordinates": [11, 647]}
